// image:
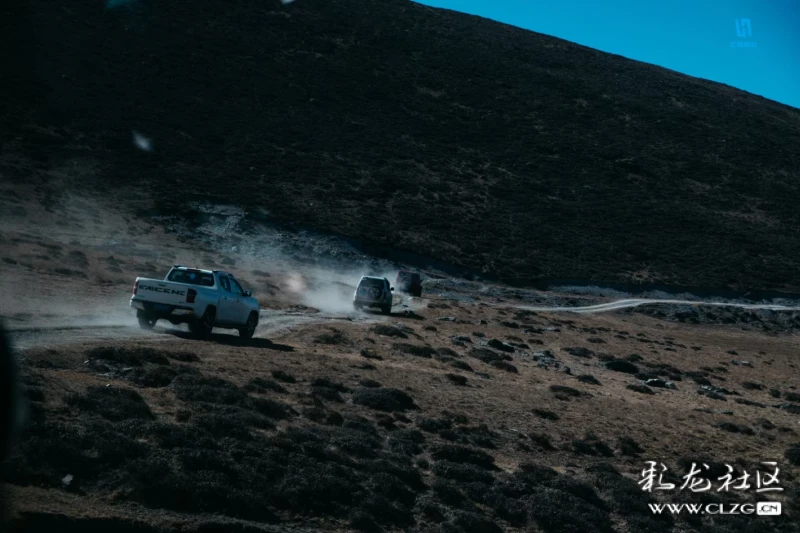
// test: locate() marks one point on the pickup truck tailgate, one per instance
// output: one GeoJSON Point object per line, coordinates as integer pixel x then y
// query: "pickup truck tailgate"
{"type": "Point", "coordinates": [161, 292]}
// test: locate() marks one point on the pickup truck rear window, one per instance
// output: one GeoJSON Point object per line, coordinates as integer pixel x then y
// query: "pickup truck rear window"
{"type": "Point", "coordinates": [192, 277]}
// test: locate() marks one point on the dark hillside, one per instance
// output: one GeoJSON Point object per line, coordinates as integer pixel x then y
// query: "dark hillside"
{"type": "Point", "coordinates": [490, 147]}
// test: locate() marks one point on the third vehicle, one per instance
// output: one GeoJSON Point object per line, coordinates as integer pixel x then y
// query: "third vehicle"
{"type": "Point", "coordinates": [409, 282]}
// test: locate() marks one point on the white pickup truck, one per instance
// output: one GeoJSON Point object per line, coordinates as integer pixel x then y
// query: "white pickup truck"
{"type": "Point", "coordinates": [203, 299]}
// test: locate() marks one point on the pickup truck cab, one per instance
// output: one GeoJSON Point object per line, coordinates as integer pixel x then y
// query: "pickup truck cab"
{"type": "Point", "coordinates": [373, 292]}
{"type": "Point", "coordinates": [203, 299]}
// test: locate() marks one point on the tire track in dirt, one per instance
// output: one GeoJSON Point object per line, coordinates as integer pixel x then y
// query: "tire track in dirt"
{"type": "Point", "coordinates": [271, 323]}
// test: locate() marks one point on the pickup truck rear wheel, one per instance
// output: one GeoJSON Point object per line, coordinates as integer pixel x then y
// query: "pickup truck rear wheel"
{"type": "Point", "coordinates": [203, 326]}
{"type": "Point", "coordinates": [146, 320]}
{"type": "Point", "coordinates": [249, 328]}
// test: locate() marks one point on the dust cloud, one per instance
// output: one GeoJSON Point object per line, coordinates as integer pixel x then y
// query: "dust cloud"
{"type": "Point", "coordinates": [102, 246]}
{"type": "Point", "coordinates": [330, 289]}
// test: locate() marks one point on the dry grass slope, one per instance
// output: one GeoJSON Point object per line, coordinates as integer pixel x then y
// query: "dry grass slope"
{"type": "Point", "coordinates": [494, 148]}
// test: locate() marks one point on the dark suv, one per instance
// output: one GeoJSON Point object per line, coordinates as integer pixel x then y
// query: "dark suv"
{"type": "Point", "coordinates": [409, 282]}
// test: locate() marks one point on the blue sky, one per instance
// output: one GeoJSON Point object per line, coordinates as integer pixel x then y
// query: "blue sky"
{"type": "Point", "coordinates": [693, 37]}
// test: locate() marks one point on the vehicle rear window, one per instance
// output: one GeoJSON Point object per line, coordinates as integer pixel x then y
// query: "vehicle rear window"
{"type": "Point", "coordinates": [192, 277]}
{"type": "Point", "coordinates": [371, 283]}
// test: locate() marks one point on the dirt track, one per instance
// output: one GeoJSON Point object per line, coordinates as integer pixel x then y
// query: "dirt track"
{"type": "Point", "coordinates": [628, 303]}
{"type": "Point", "coordinates": [271, 323]}
{"type": "Point", "coordinates": [274, 322]}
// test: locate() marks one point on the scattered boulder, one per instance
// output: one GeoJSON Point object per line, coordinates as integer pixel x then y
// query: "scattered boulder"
{"type": "Point", "coordinates": [699, 378]}
{"type": "Point", "coordinates": [384, 399]}
{"type": "Point", "coordinates": [461, 365]}
{"type": "Point", "coordinates": [281, 375]}
{"type": "Point", "coordinates": [660, 383]}
{"type": "Point", "coordinates": [462, 454]}
{"type": "Point", "coordinates": [457, 379]}
{"type": "Point", "coordinates": [112, 403]}
{"type": "Point", "coordinates": [568, 391]}
{"type": "Point", "coordinates": [264, 385]}
{"type": "Point", "coordinates": [545, 414]}
{"type": "Point", "coordinates": [487, 356]}
{"type": "Point", "coordinates": [718, 390]}
{"type": "Point", "coordinates": [644, 389]}
{"type": "Point", "coordinates": [545, 359]}
{"type": "Point", "coordinates": [735, 428]}
{"type": "Point", "coordinates": [447, 352]}
{"type": "Point", "coordinates": [389, 331]}
{"type": "Point", "coordinates": [588, 378]}
{"type": "Point", "coordinates": [580, 352]}
{"type": "Point", "coordinates": [763, 423]}
{"type": "Point", "coordinates": [504, 365]}
{"type": "Point", "coordinates": [329, 384]}
{"type": "Point", "coordinates": [592, 445]}
{"type": "Point", "coordinates": [792, 408]}
{"type": "Point", "coordinates": [713, 411]}
{"type": "Point", "coordinates": [620, 365]}
{"type": "Point", "coordinates": [497, 344]}
{"type": "Point", "coordinates": [709, 392]}
{"type": "Point", "coordinates": [413, 349]}
{"type": "Point", "coordinates": [743, 401]}
{"type": "Point", "coordinates": [541, 440]}
{"type": "Point", "coordinates": [628, 446]}
{"type": "Point", "coordinates": [793, 454]}
{"type": "Point", "coordinates": [369, 354]}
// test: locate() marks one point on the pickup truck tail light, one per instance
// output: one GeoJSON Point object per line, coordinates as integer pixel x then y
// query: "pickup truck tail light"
{"type": "Point", "coordinates": [190, 296]}
{"type": "Point", "coordinates": [135, 287]}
